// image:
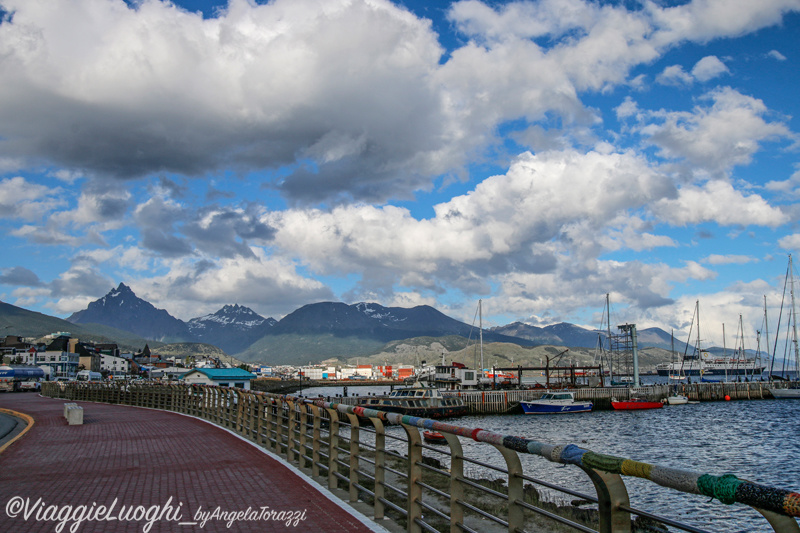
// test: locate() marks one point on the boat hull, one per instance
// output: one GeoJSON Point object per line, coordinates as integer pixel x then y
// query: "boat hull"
{"type": "Point", "coordinates": [786, 393]}
{"type": "Point", "coordinates": [633, 406]}
{"type": "Point", "coordinates": [422, 412]}
{"type": "Point", "coordinates": [708, 370]}
{"type": "Point", "coordinates": [434, 437]}
{"type": "Point", "coordinates": [538, 408]}
{"type": "Point", "coordinates": [677, 400]}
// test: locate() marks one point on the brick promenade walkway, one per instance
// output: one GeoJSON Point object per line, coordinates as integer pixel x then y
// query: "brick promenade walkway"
{"type": "Point", "coordinates": [143, 457]}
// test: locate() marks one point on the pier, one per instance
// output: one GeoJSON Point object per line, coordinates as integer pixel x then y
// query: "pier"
{"type": "Point", "coordinates": [419, 487]}
{"type": "Point", "coordinates": [284, 386]}
{"type": "Point", "coordinates": [496, 402]}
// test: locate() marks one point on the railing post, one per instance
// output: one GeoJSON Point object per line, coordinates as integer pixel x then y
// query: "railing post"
{"type": "Point", "coordinates": [261, 419]}
{"type": "Point", "coordinates": [315, 440]}
{"type": "Point", "coordinates": [611, 494]}
{"type": "Point", "coordinates": [207, 398]}
{"type": "Point", "coordinates": [252, 416]}
{"type": "Point", "coordinates": [229, 407]}
{"type": "Point", "coordinates": [414, 491]}
{"type": "Point", "coordinates": [291, 429]}
{"type": "Point", "coordinates": [456, 487]}
{"type": "Point", "coordinates": [354, 451]}
{"type": "Point", "coordinates": [241, 426]}
{"type": "Point", "coordinates": [780, 523]}
{"type": "Point", "coordinates": [271, 421]}
{"type": "Point", "coordinates": [279, 408]}
{"type": "Point", "coordinates": [333, 448]}
{"type": "Point", "coordinates": [515, 492]}
{"type": "Point", "coordinates": [380, 471]}
{"type": "Point", "coordinates": [303, 423]}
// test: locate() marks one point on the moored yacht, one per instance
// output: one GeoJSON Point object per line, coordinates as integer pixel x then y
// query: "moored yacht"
{"type": "Point", "coordinates": [425, 402]}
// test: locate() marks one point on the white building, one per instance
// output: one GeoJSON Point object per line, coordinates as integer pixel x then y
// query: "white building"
{"type": "Point", "coordinates": [114, 365]}
{"type": "Point", "coordinates": [311, 372]}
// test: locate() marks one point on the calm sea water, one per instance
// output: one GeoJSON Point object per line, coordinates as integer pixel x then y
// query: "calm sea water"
{"type": "Point", "coordinates": [757, 440]}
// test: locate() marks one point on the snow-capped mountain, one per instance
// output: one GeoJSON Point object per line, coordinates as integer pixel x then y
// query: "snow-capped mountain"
{"type": "Point", "coordinates": [233, 328]}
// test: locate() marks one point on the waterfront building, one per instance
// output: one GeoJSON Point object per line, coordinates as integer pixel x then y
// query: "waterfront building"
{"type": "Point", "coordinates": [222, 377]}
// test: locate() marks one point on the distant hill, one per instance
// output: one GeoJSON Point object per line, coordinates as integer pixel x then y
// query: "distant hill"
{"type": "Point", "coordinates": [322, 330]}
{"type": "Point", "coordinates": [564, 334]}
{"type": "Point", "coordinates": [378, 323]}
{"type": "Point", "coordinates": [198, 350]}
{"type": "Point", "coordinates": [18, 321]}
{"type": "Point", "coordinates": [295, 349]}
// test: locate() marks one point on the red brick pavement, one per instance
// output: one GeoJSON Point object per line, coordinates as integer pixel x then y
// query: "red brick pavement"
{"type": "Point", "coordinates": [143, 457]}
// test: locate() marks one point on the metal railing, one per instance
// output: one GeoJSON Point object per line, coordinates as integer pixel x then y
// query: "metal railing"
{"type": "Point", "coordinates": [381, 458]}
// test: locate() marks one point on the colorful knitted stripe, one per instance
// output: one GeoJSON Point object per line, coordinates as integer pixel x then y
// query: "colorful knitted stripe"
{"type": "Point", "coordinates": [727, 488]}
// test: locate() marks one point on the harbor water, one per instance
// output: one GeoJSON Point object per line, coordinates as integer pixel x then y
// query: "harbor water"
{"type": "Point", "coordinates": [756, 440]}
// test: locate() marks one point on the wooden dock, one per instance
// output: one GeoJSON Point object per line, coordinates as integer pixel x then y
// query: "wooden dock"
{"type": "Point", "coordinates": [495, 402]}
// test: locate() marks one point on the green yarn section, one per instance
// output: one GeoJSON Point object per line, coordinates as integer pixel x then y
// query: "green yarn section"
{"type": "Point", "coordinates": [606, 463]}
{"type": "Point", "coordinates": [722, 488]}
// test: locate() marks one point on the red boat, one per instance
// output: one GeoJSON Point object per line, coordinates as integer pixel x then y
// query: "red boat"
{"type": "Point", "coordinates": [434, 437]}
{"type": "Point", "coordinates": [635, 403]}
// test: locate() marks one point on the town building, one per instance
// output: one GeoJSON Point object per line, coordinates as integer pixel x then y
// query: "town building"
{"type": "Point", "coordinates": [115, 365]}
{"type": "Point", "coordinates": [58, 360]}
{"type": "Point", "coordinates": [222, 377]}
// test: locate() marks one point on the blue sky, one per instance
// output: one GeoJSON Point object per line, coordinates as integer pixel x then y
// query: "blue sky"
{"type": "Point", "coordinates": [535, 155]}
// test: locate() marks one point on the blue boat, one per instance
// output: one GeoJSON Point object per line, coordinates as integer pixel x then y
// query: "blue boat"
{"type": "Point", "coordinates": [555, 403]}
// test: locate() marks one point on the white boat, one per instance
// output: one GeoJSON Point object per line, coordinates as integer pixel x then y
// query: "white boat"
{"type": "Point", "coordinates": [555, 403]}
{"type": "Point", "coordinates": [785, 393]}
{"type": "Point", "coordinates": [677, 399]}
{"type": "Point", "coordinates": [717, 366]}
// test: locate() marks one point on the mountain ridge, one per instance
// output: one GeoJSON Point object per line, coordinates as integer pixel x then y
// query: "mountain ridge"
{"type": "Point", "coordinates": [325, 329]}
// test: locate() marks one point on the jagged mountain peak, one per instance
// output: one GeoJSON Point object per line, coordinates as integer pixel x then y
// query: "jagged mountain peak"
{"type": "Point", "coordinates": [122, 309]}
{"type": "Point", "coordinates": [121, 296]}
{"type": "Point", "coordinates": [230, 314]}
{"type": "Point", "coordinates": [232, 328]}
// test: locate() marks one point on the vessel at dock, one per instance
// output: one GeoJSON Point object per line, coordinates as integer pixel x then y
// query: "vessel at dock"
{"type": "Point", "coordinates": [699, 363]}
{"type": "Point", "coordinates": [555, 403]}
{"type": "Point", "coordinates": [718, 366]}
{"type": "Point", "coordinates": [426, 402]}
{"type": "Point", "coordinates": [635, 404]}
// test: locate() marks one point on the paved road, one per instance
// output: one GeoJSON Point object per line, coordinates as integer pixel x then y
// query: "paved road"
{"type": "Point", "coordinates": [10, 426]}
{"type": "Point", "coordinates": [140, 461]}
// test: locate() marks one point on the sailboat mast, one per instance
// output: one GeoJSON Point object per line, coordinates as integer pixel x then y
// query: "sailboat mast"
{"type": "Point", "coordinates": [480, 329]}
{"type": "Point", "coordinates": [794, 317]}
{"type": "Point", "coordinates": [699, 353]}
{"type": "Point", "coordinates": [724, 350]}
{"type": "Point", "coordinates": [742, 352]}
{"type": "Point", "coordinates": [766, 334]}
{"type": "Point", "coordinates": [608, 325]}
{"type": "Point", "coordinates": [672, 355]}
